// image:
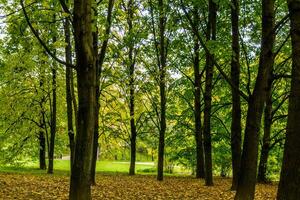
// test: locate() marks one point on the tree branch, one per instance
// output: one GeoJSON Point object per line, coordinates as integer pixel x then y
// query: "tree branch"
{"type": "Point", "coordinates": [194, 29]}
{"type": "Point", "coordinates": [41, 41]}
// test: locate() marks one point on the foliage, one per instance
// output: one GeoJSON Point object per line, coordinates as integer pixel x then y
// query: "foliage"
{"type": "Point", "coordinates": [24, 65]}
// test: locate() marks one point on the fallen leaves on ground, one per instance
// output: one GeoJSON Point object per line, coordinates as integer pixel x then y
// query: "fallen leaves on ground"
{"type": "Point", "coordinates": [48, 187]}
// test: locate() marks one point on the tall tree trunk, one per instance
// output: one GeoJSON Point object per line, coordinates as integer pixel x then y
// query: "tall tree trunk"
{"type": "Point", "coordinates": [288, 188]}
{"type": "Point", "coordinates": [132, 91]}
{"type": "Point", "coordinates": [96, 137]}
{"type": "Point", "coordinates": [68, 53]}
{"type": "Point", "coordinates": [52, 114]}
{"type": "Point", "coordinates": [96, 130]}
{"type": "Point", "coordinates": [99, 63]}
{"type": "Point", "coordinates": [200, 173]}
{"type": "Point", "coordinates": [53, 122]}
{"type": "Point", "coordinates": [210, 35]}
{"type": "Point", "coordinates": [247, 178]}
{"type": "Point", "coordinates": [236, 132]}
{"type": "Point", "coordinates": [43, 128]}
{"type": "Point", "coordinates": [86, 82]}
{"type": "Point", "coordinates": [263, 161]}
{"type": "Point", "coordinates": [42, 153]}
{"type": "Point", "coordinates": [162, 88]}
{"type": "Point", "coordinates": [74, 101]}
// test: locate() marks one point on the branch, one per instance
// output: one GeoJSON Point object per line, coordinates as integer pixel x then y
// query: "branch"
{"type": "Point", "coordinates": [279, 105]}
{"type": "Point", "coordinates": [278, 117]}
{"type": "Point", "coordinates": [65, 7]}
{"type": "Point", "coordinates": [276, 141]}
{"type": "Point", "coordinates": [194, 29]}
{"type": "Point", "coordinates": [279, 76]}
{"type": "Point", "coordinates": [107, 32]}
{"type": "Point", "coordinates": [247, 64]}
{"type": "Point", "coordinates": [282, 45]}
{"type": "Point", "coordinates": [277, 133]}
{"type": "Point", "coordinates": [41, 41]}
{"type": "Point", "coordinates": [223, 124]}
{"type": "Point", "coordinates": [280, 24]}
{"type": "Point", "coordinates": [187, 76]}
{"type": "Point", "coordinates": [16, 11]}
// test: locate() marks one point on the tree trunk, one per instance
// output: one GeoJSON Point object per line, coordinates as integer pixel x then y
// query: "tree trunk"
{"type": "Point", "coordinates": [42, 122]}
{"type": "Point", "coordinates": [262, 167]}
{"type": "Point", "coordinates": [132, 92]}
{"type": "Point", "coordinates": [236, 132]}
{"type": "Point", "coordinates": [86, 82]}
{"type": "Point", "coordinates": [68, 53]}
{"type": "Point", "coordinates": [96, 137]}
{"type": "Point", "coordinates": [162, 87]}
{"type": "Point", "coordinates": [42, 157]}
{"type": "Point", "coordinates": [288, 188]}
{"type": "Point", "coordinates": [247, 178]}
{"type": "Point", "coordinates": [210, 35]}
{"type": "Point", "coordinates": [197, 113]}
{"type": "Point", "coordinates": [97, 108]}
{"type": "Point", "coordinates": [53, 122]}
{"type": "Point", "coordinates": [99, 63]}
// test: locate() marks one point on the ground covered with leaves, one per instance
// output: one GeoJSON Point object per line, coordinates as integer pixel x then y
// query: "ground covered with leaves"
{"type": "Point", "coordinates": [119, 186]}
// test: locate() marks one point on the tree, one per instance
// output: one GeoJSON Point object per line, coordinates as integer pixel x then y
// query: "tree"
{"type": "Point", "coordinates": [161, 53]}
{"type": "Point", "coordinates": [210, 35]}
{"type": "Point", "coordinates": [236, 132]}
{"type": "Point", "coordinates": [86, 80]}
{"type": "Point", "coordinates": [100, 58]}
{"type": "Point", "coordinates": [247, 178]}
{"type": "Point", "coordinates": [69, 88]}
{"type": "Point", "coordinates": [53, 111]}
{"type": "Point", "coordinates": [131, 66]}
{"type": "Point", "coordinates": [289, 177]}
{"type": "Point", "coordinates": [200, 172]}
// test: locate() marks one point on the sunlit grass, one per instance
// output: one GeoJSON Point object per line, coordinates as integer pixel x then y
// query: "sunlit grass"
{"type": "Point", "coordinates": [63, 167]}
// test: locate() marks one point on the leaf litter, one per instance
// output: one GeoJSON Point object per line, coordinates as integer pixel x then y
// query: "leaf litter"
{"type": "Point", "coordinates": [120, 186]}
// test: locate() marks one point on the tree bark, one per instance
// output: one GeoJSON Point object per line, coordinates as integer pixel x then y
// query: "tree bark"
{"type": "Point", "coordinates": [42, 153]}
{"type": "Point", "coordinates": [68, 54]}
{"type": "Point", "coordinates": [262, 167]}
{"type": "Point", "coordinates": [99, 63]}
{"type": "Point", "coordinates": [43, 128]}
{"type": "Point", "coordinates": [53, 122]}
{"type": "Point", "coordinates": [86, 82]}
{"type": "Point", "coordinates": [162, 87]}
{"type": "Point", "coordinates": [288, 188]}
{"type": "Point", "coordinates": [132, 91]}
{"type": "Point", "coordinates": [247, 178]}
{"type": "Point", "coordinates": [236, 132]}
{"type": "Point", "coordinates": [200, 173]}
{"type": "Point", "coordinates": [96, 130]}
{"type": "Point", "coordinates": [210, 35]}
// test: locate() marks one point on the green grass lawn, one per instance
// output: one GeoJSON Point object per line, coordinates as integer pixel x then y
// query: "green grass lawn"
{"type": "Point", "coordinates": [63, 167]}
{"type": "Point", "coordinates": [105, 166]}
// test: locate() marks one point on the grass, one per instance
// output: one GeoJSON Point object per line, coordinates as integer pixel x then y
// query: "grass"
{"type": "Point", "coordinates": [105, 166]}
{"type": "Point", "coordinates": [62, 167]}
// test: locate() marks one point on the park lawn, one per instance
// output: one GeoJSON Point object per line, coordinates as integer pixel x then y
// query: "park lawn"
{"type": "Point", "coordinates": [121, 186]}
{"type": "Point", "coordinates": [63, 167]}
{"type": "Point", "coordinates": [105, 166]}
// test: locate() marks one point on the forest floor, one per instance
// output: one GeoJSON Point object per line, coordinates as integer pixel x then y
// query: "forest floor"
{"type": "Point", "coordinates": [120, 186]}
